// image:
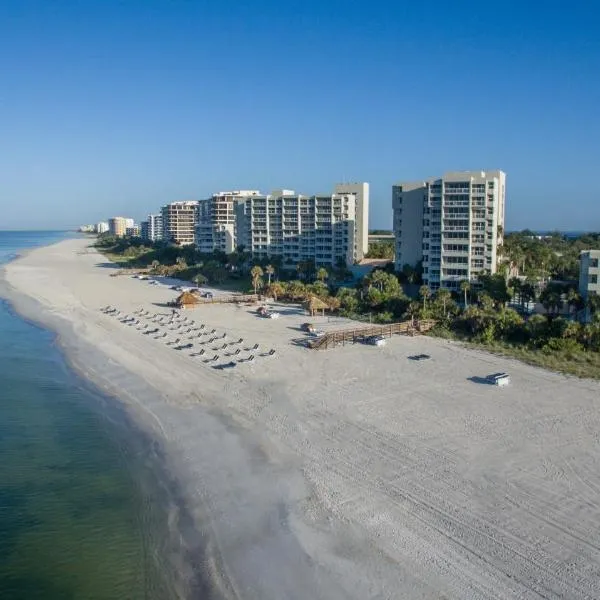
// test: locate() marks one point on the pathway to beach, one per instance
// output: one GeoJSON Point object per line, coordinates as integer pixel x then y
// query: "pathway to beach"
{"type": "Point", "coordinates": [353, 472]}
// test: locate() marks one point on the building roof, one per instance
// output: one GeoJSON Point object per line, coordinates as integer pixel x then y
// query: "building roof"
{"type": "Point", "coordinates": [186, 298]}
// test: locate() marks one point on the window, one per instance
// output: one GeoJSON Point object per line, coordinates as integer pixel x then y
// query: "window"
{"type": "Point", "coordinates": [594, 263]}
{"type": "Point", "coordinates": [593, 279]}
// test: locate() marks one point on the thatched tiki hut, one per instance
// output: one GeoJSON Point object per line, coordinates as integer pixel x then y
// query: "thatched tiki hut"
{"type": "Point", "coordinates": [186, 300]}
{"type": "Point", "coordinates": [314, 305]}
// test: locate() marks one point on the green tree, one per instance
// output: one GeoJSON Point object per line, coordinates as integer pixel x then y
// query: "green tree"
{"type": "Point", "coordinates": [495, 286]}
{"type": "Point", "coordinates": [296, 290]}
{"type": "Point", "coordinates": [443, 297]}
{"type": "Point", "coordinates": [322, 274]}
{"type": "Point", "coordinates": [593, 303]}
{"type": "Point", "coordinates": [527, 293]}
{"type": "Point", "coordinates": [574, 300]}
{"type": "Point", "coordinates": [199, 279]}
{"type": "Point", "coordinates": [551, 298]}
{"type": "Point", "coordinates": [425, 294]}
{"type": "Point", "coordinates": [514, 285]}
{"type": "Point", "coordinates": [275, 290]}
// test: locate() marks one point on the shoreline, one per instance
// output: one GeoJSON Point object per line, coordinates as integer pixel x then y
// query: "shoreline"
{"type": "Point", "coordinates": [183, 574]}
{"type": "Point", "coordinates": [345, 473]}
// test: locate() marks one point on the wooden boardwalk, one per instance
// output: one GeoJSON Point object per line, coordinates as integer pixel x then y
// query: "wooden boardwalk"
{"type": "Point", "coordinates": [357, 334]}
{"type": "Point", "coordinates": [233, 299]}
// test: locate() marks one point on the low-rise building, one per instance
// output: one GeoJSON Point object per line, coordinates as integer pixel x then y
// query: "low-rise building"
{"type": "Point", "coordinates": [589, 277]}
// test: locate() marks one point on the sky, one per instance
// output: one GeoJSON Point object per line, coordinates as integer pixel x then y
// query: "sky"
{"type": "Point", "coordinates": [115, 108]}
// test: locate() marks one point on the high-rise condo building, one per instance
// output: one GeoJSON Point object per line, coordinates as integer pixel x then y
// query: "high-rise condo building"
{"type": "Point", "coordinates": [361, 233]}
{"type": "Point", "coordinates": [152, 229]}
{"type": "Point", "coordinates": [101, 227]}
{"type": "Point", "coordinates": [453, 224]}
{"type": "Point", "coordinates": [589, 276]}
{"type": "Point", "coordinates": [296, 227]}
{"type": "Point", "coordinates": [179, 222]}
{"type": "Point", "coordinates": [117, 226]}
{"type": "Point", "coordinates": [216, 227]}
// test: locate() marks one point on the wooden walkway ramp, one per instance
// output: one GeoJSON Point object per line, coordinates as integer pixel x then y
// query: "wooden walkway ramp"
{"type": "Point", "coordinates": [357, 334]}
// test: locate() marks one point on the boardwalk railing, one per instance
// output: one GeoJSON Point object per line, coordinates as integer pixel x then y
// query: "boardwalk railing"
{"type": "Point", "coordinates": [235, 298]}
{"type": "Point", "coordinates": [357, 334]}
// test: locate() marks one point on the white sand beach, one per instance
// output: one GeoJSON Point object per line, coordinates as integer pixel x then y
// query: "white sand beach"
{"type": "Point", "coordinates": [347, 473]}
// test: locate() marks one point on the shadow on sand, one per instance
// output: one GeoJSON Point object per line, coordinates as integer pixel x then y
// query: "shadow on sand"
{"type": "Point", "coordinates": [480, 380]}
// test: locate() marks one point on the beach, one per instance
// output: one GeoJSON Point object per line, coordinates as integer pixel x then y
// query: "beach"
{"type": "Point", "coordinates": [353, 472]}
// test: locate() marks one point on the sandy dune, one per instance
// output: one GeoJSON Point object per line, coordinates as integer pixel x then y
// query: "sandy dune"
{"type": "Point", "coordinates": [346, 473]}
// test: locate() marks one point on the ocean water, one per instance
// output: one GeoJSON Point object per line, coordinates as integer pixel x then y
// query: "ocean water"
{"type": "Point", "coordinates": [81, 512]}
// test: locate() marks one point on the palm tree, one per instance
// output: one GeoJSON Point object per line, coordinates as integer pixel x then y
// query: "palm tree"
{"type": "Point", "coordinates": [275, 290]}
{"type": "Point", "coordinates": [413, 310]}
{"type": "Point", "coordinates": [526, 293]}
{"type": "Point", "coordinates": [442, 296]}
{"type": "Point", "coordinates": [574, 299]}
{"type": "Point", "coordinates": [256, 273]}
{"type": "Point", "coordinates": [180, 262]}
{"type": "Point", "coordinates": [514, 283]}
{"type": "Point", "coordinates": [593, 303]}
{"type": "Point", "coordinates": [199, 279]}
{"type": "Point", "coordinates": [378, 278]}
{"type": "Point", "coordinates": [296, 289]}
{"type": "Point", "coordinates": [465, 288]}
{"type": "Point", "coordinates": [425, 293]}
{"type": "Point", "coordinates": [154, 265]}
{"type": "Point", "coordinates": [269, 270]}
{"type": "Point", "coordinates": [322, 274]}
{"type": "Point", "coordinates": [333, 302]}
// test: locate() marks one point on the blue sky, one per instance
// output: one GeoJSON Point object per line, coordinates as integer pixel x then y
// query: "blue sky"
{"type": "Point", "coordinates": [118, 107]}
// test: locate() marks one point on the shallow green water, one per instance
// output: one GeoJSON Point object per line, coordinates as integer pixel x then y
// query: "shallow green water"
{"type": "Point", "coordinates": [79, 517]}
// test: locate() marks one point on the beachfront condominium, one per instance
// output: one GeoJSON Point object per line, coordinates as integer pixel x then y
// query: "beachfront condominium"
{"type": "Point", "coordinates": [296, 228]}
{"type": "Point", "coordinates": [361, 225]}
{"type": "Point", "coordinates": [589, 277]}
{"type": "Point", "coordinates": [133, 231]}
{"type": "Point", "coordinates": [179, 222]}
{"type": "Point", "coordinates": [117, 226]}
{"type": "Point", "coordinates": [216, 227]}
{"type": "Point", "coordinates": [453, 224]}
{"type": "Point", "coordinates": [151, 229]}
